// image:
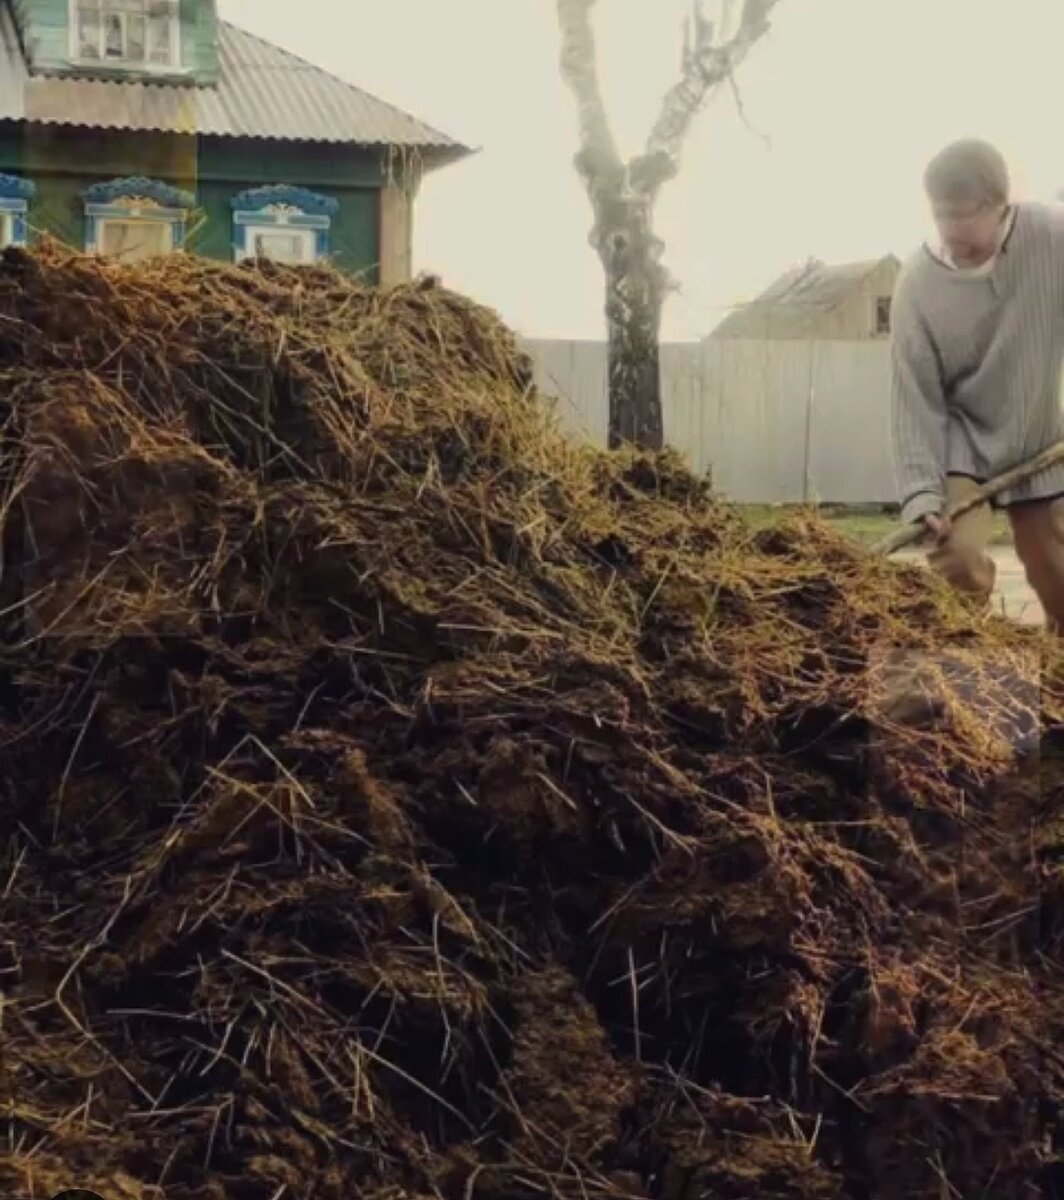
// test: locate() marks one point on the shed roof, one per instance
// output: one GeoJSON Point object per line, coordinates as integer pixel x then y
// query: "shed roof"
{"type": "Point", "coordinates": [262, 92]}
{"type": "Point", "coordinates": [800, 295]}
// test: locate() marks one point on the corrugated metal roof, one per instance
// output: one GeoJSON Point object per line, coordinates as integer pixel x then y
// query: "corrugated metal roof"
{"type": "Point", "coordinates": [262, 92]}
{"type": "Point", "coordinates": [799, 294]}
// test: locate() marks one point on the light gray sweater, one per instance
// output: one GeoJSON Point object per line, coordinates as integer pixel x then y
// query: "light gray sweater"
{"type": "Point", "coordinates": [976, 365]}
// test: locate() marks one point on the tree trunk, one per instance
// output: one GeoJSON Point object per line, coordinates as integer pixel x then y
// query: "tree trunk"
{"type": "Point", "coordinates": [634, 370]}
{"type": "Point", "coordinates": [623, 195]}
{"type": "Point", "coordinates": [635, 297]}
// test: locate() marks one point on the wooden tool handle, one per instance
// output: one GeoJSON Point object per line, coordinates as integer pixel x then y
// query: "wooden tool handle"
{"type": "Point", "coordinates": [910, 534]}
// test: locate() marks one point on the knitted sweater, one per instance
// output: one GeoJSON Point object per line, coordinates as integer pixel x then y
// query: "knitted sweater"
{"type": "Point", "coordinates": [976, 365]}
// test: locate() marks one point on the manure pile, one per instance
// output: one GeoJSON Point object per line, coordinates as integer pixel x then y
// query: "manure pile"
{"type": "Point", "coordinates": [401, 802]}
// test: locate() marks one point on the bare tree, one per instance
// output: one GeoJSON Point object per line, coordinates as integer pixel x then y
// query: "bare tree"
{"type": "Point", "coordinates": [623, 195]}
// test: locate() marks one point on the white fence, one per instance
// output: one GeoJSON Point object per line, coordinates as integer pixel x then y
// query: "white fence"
{"type": "Point", "coordinates": [775, 422]}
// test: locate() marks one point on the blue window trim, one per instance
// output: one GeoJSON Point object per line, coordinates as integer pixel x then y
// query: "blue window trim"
{"type": "Point", "coordinates": [15, 195]}
{"type": "Point", "coordinates": [112, 201]}
{"type": "Point", "coordinates": [313, 211]}
{"type": "Point", "coordinates": [311, 203]}
{"type": "Point", "coordinates": [165, 195]}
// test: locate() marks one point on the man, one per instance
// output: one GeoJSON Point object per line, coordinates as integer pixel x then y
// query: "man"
{"type": "Point", "coordinates": [977, 347]}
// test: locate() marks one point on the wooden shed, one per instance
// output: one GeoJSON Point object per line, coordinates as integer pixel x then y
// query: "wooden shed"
{"type": "Point", "coordinates": [848, 302]}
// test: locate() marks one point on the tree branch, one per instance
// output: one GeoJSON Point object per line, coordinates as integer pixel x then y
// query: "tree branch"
{"type": "Point", "coordinates": [741, 109]}
{"type": "Point", "coordinates": [706, 64]}
{"type": "Point", "coordinates": [598, 160]}
{"type": "Point", "coordinates": [727, 19]}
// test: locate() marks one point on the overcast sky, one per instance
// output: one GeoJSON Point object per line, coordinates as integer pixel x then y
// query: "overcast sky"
{"type": "Point", "coordinates": [854, 96]}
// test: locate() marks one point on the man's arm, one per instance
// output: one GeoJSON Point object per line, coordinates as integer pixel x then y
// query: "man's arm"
{"type": "Point", "coordinates": [918, 412]}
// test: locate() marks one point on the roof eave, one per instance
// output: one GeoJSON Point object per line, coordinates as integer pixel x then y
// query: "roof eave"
{"type": "Point", "coordinates": [440, 154]}
{"type": "Point", "coordinates": [436, 157]}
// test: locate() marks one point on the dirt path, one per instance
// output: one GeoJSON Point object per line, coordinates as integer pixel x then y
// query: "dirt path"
{"type": "Point", "coordinates": [1013, 591]}
{"type": "Point", "coordinates": [1013, 596]}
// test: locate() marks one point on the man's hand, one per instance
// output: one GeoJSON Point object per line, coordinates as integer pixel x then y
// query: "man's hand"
{"type": "Point", "coordinates": [941, 527]}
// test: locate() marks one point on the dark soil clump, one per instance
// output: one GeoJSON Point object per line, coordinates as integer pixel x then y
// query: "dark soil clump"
{"type": "Point", "coordinates": [402, 802]}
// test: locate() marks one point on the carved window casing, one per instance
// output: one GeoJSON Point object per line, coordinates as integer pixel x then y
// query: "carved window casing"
{"type": "Point", "coordinates": [135, 219]}
{"type": "Point", "coordinates": [282, 223]}
{"type": "Point", "coordinates": [15, 195]}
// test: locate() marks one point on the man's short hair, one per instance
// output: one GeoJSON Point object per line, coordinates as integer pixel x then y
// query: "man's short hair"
{"type": "Point", "coordinates": [968, 171]}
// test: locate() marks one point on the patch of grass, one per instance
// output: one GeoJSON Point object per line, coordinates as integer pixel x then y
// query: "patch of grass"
{"type": "Point", "coordinates": [863, 525]}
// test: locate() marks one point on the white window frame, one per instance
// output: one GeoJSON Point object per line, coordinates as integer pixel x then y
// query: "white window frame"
{"type": "Point", "coordinates": [137, 201]}
{"type": "Point", "coordinates": [282, 208]}
{"type": "Point", "coordinates": [309, 237]}
{"type": "Point", "coordinates": [143, 64]}
{"type": "Point", "coordinates": [166, 223]}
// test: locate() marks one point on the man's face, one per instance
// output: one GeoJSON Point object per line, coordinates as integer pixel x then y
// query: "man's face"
{"type": "Point", "coordinates": [969, 230]}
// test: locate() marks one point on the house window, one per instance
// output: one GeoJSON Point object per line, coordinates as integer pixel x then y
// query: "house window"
{"type": "Point", "coordinates": [283, 223]}
{"type": "Point", "coordinates": [135, 241]}
{"type": "Point", "coordinates": [295, 246]}
{"type": "Point", "coordinates": [126, 32]}
{"type": "Point", "coordinates": [882, 315]}
{"type": "Point", "coordinates": [135, 219]}
{"type": "Point", "coordinates": [15, 194]}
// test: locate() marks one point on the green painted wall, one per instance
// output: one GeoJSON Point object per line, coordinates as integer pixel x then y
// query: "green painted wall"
{"type": "Point", "coordinates": [45, 26]}
{"type": "Point", "coordinates": [199, 39]}
{"type": "Point", "coordinates": [64, 162]}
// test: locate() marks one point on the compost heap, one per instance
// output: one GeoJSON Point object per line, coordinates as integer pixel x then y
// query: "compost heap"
{"type": "Point", "coordinates": [400, 801]}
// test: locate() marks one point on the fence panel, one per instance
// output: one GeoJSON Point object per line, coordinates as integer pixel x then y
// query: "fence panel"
{"type": "Point", "coordinates": [775, 421]}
